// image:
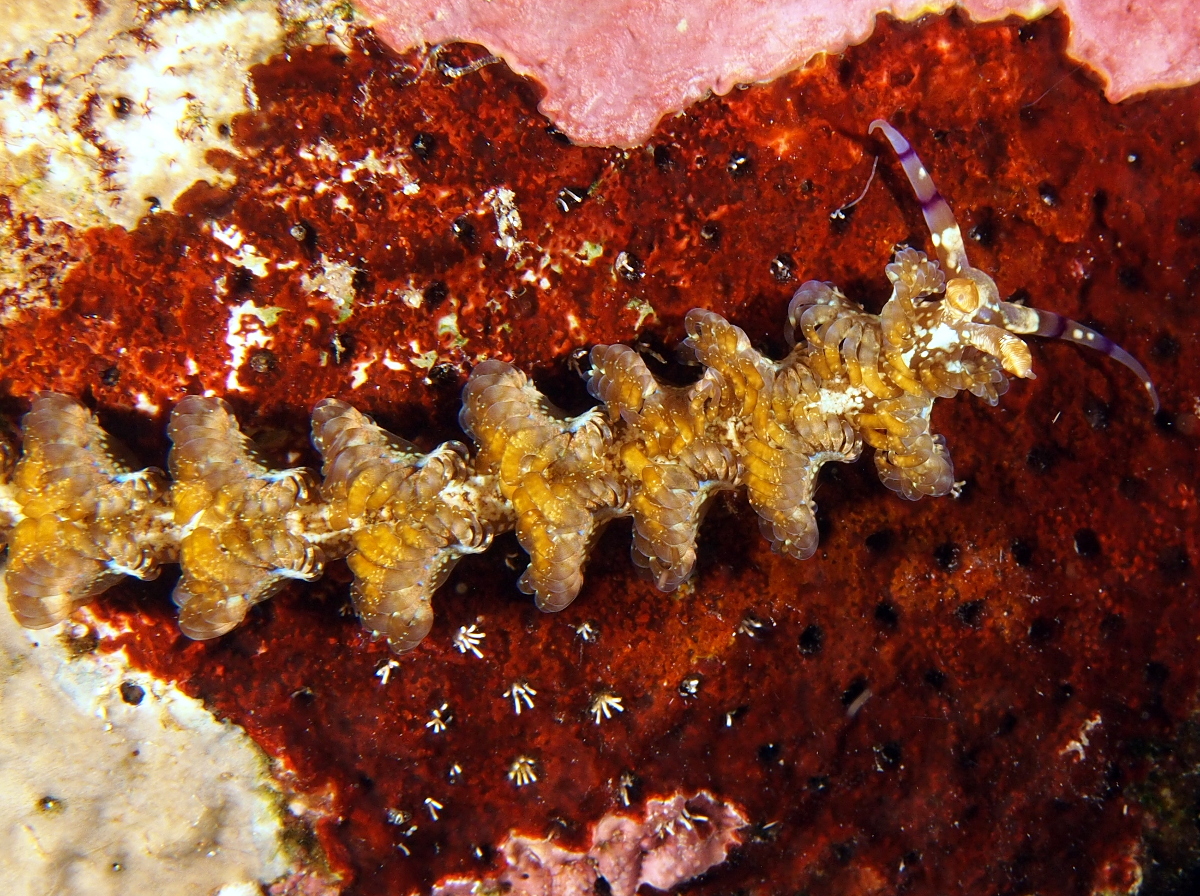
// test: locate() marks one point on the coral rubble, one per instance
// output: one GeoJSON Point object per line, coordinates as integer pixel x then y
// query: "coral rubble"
{"type": "Point", "coordinates": [676, 839]}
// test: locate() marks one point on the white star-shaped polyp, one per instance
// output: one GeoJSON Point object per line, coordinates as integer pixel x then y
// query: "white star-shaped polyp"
{"type": "Point", "coordinates": [604, 705]}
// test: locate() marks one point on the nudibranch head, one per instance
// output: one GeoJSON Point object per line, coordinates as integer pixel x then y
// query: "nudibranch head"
{"type": "Point", "coordinates": [971, 295]}
{"type": "Point", "coordinates": [963, 296]}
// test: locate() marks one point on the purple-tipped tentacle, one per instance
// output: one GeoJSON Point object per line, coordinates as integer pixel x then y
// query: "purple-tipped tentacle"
{"type": "Point", "coordinates": [1055, 326]}
{"type": "Point", "coordinates": [943, 228]}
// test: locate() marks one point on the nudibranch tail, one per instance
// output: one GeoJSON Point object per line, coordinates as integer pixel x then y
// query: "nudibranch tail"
{"type": "Point", "coordinates": [84, 519]}
{"type": "Point", "coordinates": [947, 239]}
{"type": "Point", "coordinates": [77, 517]}
{"type": "Point", "coordinates": [10, 511]}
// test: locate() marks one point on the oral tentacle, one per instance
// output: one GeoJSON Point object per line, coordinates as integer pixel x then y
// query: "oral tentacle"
{"type": "Point", "coordinates": [947, 240]}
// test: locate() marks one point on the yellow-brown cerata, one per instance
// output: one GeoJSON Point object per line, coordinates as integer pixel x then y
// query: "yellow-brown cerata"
{"type": "Point", "coordinates": [77, 518]}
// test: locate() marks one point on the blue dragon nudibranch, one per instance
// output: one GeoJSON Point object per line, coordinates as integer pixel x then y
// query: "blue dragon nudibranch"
{"type": "Point", "coordinates": [77, 518]}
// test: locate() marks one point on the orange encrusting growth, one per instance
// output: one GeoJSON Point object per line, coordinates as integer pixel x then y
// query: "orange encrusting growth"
{"type": "Point", "coordinates": [79, 518]}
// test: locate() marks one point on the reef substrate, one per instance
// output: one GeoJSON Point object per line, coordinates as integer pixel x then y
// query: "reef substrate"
{"type": "Point", "coordinates": [953, 696]}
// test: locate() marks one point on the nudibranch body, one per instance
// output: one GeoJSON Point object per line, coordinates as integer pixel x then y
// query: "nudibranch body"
{"type": "Point", "coordinates": [77, 516]}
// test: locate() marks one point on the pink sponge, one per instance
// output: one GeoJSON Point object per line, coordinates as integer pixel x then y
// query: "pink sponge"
{"type": "Point", "coordinates": [613, 68]}
{"type": "Point", "coordinates": [677, 838]}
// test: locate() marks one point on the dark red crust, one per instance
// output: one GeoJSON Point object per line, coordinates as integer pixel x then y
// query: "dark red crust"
{"type": "Point", "coordinates": [981, 672]}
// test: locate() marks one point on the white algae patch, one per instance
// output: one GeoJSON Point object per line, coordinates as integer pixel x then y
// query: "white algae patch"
{"type": "Point", "coordinates": [30, 26]}
{"type": "Point", "coordinates": [108, 112]}
{"type": "Point", "coordinates": [336, 282]}
{"type": "Point", "coordinates": [105, 128]}
{"type": "Point", "coordinates": [114, 782]}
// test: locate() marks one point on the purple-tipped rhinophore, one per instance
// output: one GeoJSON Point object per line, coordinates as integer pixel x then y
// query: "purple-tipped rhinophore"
{"type": "Point", "coordinates": [944, 230]}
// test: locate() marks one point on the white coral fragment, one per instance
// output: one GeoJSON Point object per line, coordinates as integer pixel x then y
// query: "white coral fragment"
{"type": "Point", "coordinates": [112, 781]}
